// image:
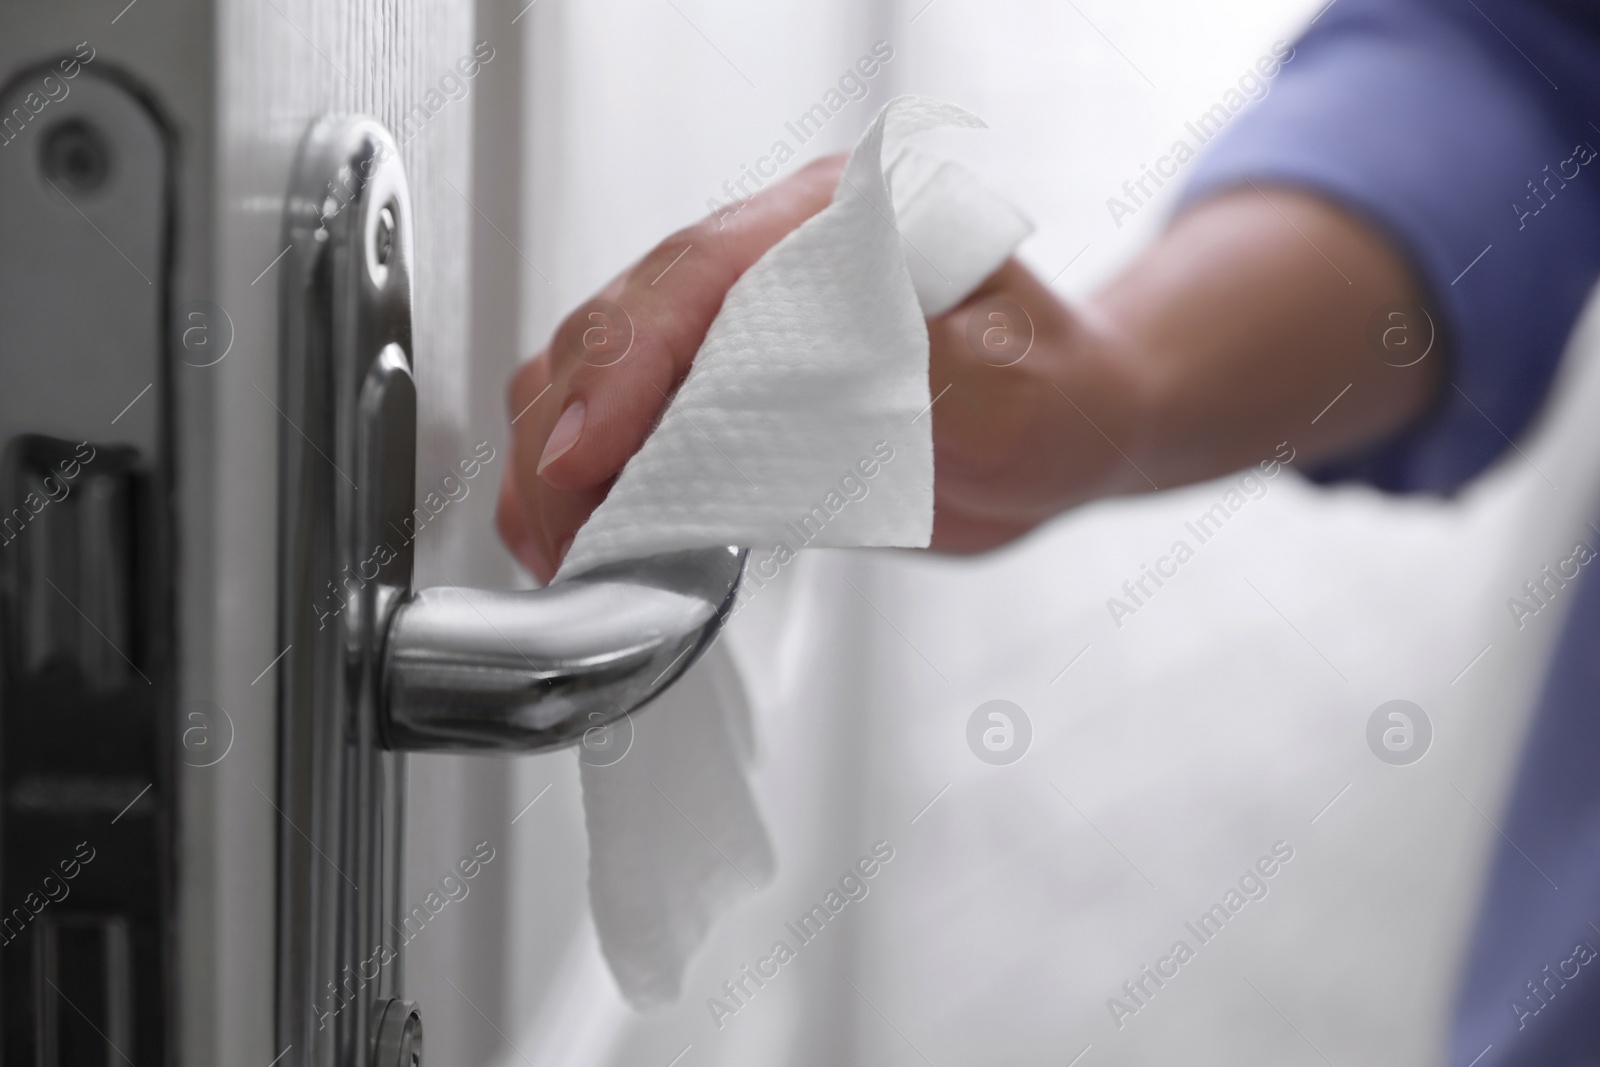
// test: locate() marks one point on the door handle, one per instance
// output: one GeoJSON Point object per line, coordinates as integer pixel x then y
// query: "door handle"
{"type": "Point", "coordinates": [484, 670]}
{"type": "Point", "coordinates": [373, 670]}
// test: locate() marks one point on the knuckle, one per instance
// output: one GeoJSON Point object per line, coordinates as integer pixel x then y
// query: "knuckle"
{"type": "Point", "coordinates": [696, 235]}
{"type": "Point", "coordinates": [528, 380]}
{"type": "Point", "coordinates": [689, 234]}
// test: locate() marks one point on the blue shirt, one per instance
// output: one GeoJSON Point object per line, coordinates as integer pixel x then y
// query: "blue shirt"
{"type": "Point", "coordinates": [1421, 116]}
{"type": "Point", "coordinates": [1466, 130]}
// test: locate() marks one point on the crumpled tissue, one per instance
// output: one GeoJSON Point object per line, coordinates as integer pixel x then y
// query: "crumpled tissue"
{"type": "Point", "coordinates": [819, 354]}
{"type": "Point", "coordinates": [802, 422]}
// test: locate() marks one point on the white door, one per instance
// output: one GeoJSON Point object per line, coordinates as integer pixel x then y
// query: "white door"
{"type": "Point", "coordinates": [431, 73]}
{"type": "Point", "coordinates": [546, 144]}
{"type": "Point", "coordinates": [227, 90]}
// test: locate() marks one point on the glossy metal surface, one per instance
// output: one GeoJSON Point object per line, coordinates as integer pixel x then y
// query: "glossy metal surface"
{"type": "Point", "coordinates": [397, 1035]}
{"type": "Point", "coordinates": [371, 670]}
{"type": "Point", "coordinates": [524, 671]}
{"type": "Point", "coordinates": [348, 452]}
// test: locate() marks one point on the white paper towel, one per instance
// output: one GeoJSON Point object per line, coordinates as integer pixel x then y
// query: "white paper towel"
{"type": "Point", "coordinates": [814, 374]}
{"type": "Point", "coordinates": [674, 836]}
{"type": "Point", "coordinates": [818, 354]}
{"type": "Point", "coordinates": [956, 231]}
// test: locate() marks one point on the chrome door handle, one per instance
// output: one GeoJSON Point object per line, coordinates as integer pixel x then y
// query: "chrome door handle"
{"type": "Point", "coordinates": [522, 671]}
{"type": "Point", "coordinates": [371, 669]}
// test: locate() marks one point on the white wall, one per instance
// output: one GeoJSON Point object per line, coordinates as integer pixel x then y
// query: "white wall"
{"type": "Point", "coordinates": [638, 113]}
{"type": "Point", "coordinates": [1222, 718]}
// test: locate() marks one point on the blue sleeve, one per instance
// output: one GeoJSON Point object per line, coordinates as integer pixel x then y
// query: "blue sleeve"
{"type": "Point", "coordinates": [1426, 119]}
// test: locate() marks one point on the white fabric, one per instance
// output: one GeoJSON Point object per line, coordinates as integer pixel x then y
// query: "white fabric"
{"type": "Point", "coordinates": [816, 365]}
{"type": "Point", "coordinates": [814, 372]}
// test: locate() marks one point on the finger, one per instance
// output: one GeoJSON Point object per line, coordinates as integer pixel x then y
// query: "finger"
{"type": "Point", "coordinates": [961, 534]}
{"type": "Point", "coordinates": [513, 527]}
{"type": "Point", "coordinates": [559, 514]}
{"type": "Point", "coordinates": [537, 522]}
{"type": "Point", "coordinates": [523, 497]}
{"type": "Point", "coordinates": [618, 359]}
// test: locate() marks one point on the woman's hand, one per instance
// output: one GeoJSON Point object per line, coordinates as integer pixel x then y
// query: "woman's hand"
{"type": "Point", "coordinates": [1233, 333]}
{"type": "Point", "coordinates": [1037, 407]}
{"type": "Point", "coordinates": [584, 405]}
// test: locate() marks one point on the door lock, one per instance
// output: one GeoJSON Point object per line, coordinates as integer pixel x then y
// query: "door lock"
{"type": "Point", "coordinates": [89, 777]}
{"type": "Point", "coordinates": [379, 669]}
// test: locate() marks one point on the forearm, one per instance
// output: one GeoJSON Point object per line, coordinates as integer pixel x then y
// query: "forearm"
{"type": "Point", "coordinates": [1231, 334]}
{"type": "Point", "coordinates": [1251, 316]}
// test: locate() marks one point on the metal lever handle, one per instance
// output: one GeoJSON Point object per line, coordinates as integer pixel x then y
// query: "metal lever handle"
{"type": "Point", "coordinates": [372, 670]}
{"type": "Point", "coordinates": [524, 671]}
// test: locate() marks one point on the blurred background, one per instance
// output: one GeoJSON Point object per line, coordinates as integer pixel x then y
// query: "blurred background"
{"type": "Point", "coordinates": [1168, 753]}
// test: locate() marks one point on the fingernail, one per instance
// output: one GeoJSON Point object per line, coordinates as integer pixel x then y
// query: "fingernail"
{"type": "Point", "coordinates": [564, 436]}
{"type": "Point", "coordinates": [566, 546]}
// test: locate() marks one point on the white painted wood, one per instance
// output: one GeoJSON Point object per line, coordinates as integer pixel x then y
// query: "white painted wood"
{"type": "Point", "coordinates": [238, 82]}
{"type": "Point", "coordinates": [280, 63]}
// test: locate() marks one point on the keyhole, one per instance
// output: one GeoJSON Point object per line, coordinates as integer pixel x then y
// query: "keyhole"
{"type": "Point", "coordinates": [384, 237]}
{"type": "Point", "coordinates": [75, 157]}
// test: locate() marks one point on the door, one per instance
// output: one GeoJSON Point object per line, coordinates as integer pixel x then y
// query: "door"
{"type": "Point", "coordinates": [147, 150]}
{"type": "Point", "coordinates": [205, 105]}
